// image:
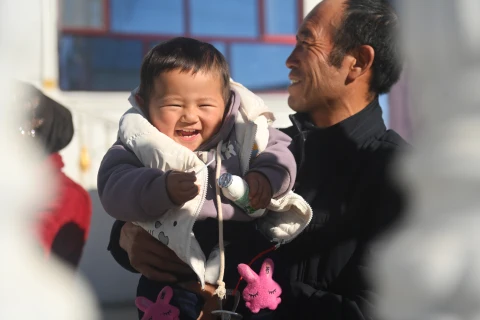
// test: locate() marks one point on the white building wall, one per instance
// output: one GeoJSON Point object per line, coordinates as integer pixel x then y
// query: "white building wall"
{"type": "Point", "coordinates": [31, 69]}
{"type": "Point", "coordinates": [308, 5]}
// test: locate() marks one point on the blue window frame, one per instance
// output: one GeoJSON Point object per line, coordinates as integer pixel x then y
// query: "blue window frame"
{"type": "Point", "coordinates": [99, 63]}
{"type": "Point", "coordinates": [224, 18]}
{"type": "Point", "coordinates": [281, 16]}
{"type": "Point", "coordinates": [147, 16]}
{"type": "Point", "coordinates": [260, 66]}
{"type": "Point", "coordinates": [102, 42]}
{"type": "Point", "coordinates": [82, 14]}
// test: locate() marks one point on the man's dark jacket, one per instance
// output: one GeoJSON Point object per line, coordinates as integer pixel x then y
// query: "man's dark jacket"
{"type": "Point", "coordinates": [344, 172]}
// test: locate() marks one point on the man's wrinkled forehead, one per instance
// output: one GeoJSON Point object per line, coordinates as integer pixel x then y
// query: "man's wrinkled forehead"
{"type": "Point", "coordinates": [323, 19]}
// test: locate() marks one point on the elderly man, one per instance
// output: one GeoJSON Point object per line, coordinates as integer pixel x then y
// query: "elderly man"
{"type": "Point", "coordinates": [346, 55]}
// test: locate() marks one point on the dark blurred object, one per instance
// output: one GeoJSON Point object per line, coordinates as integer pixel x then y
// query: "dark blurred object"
{"type": "Point", "coordinates": [46, 120]}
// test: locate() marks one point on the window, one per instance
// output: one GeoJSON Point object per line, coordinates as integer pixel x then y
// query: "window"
{"type": "Point", "coordinates": [99, 63]}
{"type": "Point", "coordinates": [260, 66]}
{"type": "Point", "coordinates": [147, 16]}
{"type": "Point", "coordinates": [86, 14]}
{"type": "Point", "coordinates": [102, 42]}
{"type": "Point", "coordinates": [219, 45]}
{"type": "Point", "coordinates": [279, 23]}
{"type": "Point", "coordinates": [232, 18]}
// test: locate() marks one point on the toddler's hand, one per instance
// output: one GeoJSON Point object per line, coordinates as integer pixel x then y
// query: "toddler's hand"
{"type": "Point", "coordinates": [260, 190]}
{"type": "Point", "coordinates": [181, 186]}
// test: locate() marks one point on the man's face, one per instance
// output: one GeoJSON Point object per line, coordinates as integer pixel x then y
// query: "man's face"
{"type": "Point", "coordinates": [187, 107]}
{"type": "Point", "coordinates": [314, 82]}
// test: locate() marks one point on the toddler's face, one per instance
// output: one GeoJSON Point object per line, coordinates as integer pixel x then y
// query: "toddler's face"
{"type": "Point", "coordinates": [187, 107]}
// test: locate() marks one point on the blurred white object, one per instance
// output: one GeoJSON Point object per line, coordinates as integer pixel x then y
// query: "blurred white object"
{"type": "Point", "coordinates": [30, 287]}
{"type": "Point", "coordinates": [430, 267]}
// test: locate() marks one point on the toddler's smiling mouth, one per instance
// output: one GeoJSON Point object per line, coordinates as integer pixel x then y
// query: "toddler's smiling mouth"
{"type": "Point", "coordinates": [187, 133]}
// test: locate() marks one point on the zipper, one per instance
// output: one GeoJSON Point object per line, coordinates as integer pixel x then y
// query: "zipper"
{"type": "Point", "coordinates": [251, 143]}
{"type": "Point", "coordinates": [303, 139]}
{"type": "Point", "coordinates": [296, 124]}
{"type": "Point", "coordinates": [199, 208]}
{"type": "Point", "coordinates": [204, 196]}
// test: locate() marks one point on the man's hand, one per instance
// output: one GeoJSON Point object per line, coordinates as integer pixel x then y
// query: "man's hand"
{"type": "Point", "coordinates": [260, 190]}
{"type": "Point", "coordinates": [181, 186]}
{"type": "Point", "coordinates": [211, 304]}
{"type": "Point", "coordinates": [149, 256]}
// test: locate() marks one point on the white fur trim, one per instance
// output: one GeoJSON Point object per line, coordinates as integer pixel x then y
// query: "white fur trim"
{"type": "Point", "coordinates": [286, 219]}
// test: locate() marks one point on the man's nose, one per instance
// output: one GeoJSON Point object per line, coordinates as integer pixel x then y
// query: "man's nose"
{"type": "Point", "coordinates": [292, 60]}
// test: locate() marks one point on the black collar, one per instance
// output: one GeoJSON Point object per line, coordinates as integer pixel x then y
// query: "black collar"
{"type": "Point", "coordinates": [358, 128]}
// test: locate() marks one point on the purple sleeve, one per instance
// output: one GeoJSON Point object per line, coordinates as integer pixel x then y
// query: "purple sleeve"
{"type": "Point", "coordinates": [128, 190]}
{"type": "Point", "coordinates": [277, 163]}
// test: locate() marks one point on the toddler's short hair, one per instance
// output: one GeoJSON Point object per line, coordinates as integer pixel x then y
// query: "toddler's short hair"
{"type": "Point", "coordinates": [187, 55]}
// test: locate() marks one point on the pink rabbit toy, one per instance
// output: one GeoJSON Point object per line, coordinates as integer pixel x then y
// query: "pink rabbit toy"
{"type": "Point", "coordinates": [160, 310]}
{"type": "Point", "coordinates": [261, 290]}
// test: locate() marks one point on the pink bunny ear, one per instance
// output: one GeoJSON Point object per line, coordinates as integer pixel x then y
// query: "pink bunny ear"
{"type": "Point", "coordinates": [267, 269]}
{"type": "Point", "coordinates": [247, 273]}
{"type": "Point", "coordinates": [143, 303]}
{"type": "Point", "coordinates": [165, 295]}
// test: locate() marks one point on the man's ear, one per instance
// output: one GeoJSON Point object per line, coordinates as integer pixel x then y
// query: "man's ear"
{"type": "Point", "coordinates": [362, 61]}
